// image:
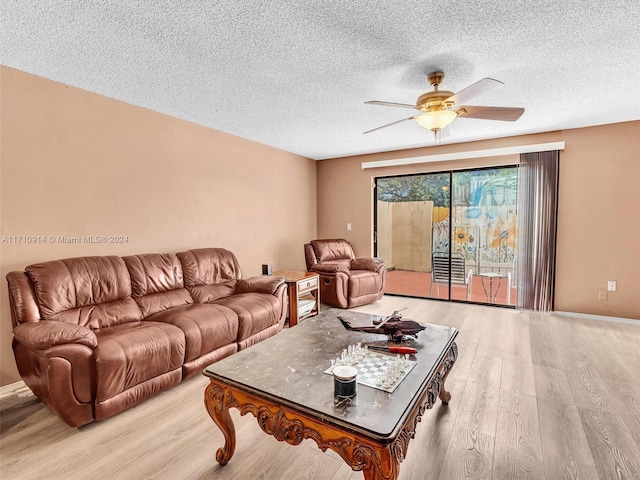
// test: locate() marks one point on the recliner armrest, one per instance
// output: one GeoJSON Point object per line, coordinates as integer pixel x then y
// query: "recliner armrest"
{"type": "Point", "coordinates": [47, 333]}
{"type": "Point", "coordinates": [264, 284]}
{"type": "Point", "coordinates": [329, 268]}
{"type": "Point", "coordinates": [372, 264]}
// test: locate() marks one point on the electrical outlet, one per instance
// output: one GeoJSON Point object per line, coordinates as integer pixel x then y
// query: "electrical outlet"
{"type": "Point", "coordinates": [348, 226]}
{"type": "Point", "coordinates": [611, 285]}
{"type": "Point", "coordinates": [602, 295]}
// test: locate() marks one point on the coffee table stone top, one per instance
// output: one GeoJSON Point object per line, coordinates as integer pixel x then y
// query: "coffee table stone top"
{"type": "Point", "coordinates": [288, 368]}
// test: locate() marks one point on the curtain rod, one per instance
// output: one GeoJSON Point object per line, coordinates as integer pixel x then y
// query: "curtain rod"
{"type": "Point", "coordinates": [490, 152]}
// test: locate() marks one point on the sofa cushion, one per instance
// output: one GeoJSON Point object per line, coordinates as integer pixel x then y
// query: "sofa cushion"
{"type": "Point", "coordinates": [333, 251]}
{"type": "Point", "coordinates": [206, 327]}
{"type": "Point", "coordinates": [157, 282]}
{"type": "Point", "coordinates": [209, 266]}
{"type": "Point", "coordinates": [256, 311]}
{"type": "Point", "coordinates": [330, 268]}
{"type": "Point", "coordinates": [132, 353]}
{"type": "Point", "coordinates": [90, 291]}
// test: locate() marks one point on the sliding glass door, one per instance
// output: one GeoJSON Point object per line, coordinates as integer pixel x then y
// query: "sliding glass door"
{"type": "Point", "coordinates": [411, 224]}
{"type": "Point", "coordinates": [485, 230]}
{"type": "Point", "coordinates": [449, 235]}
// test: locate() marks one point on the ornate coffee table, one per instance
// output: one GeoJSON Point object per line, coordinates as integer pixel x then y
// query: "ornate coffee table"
{"type": "Point", "coordinates": [281, 382]}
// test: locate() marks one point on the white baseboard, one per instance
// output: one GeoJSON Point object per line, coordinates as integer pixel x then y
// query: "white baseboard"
{"type": "Point", "coordinates": [18, 388]}
{"type": "Point", "coordinates": [600, 318]}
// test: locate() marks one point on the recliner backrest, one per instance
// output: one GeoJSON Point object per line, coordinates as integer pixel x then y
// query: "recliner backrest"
{"type": "Point", "coordinates": [157, 282]}
{"type": "Point", "coordinates": [210, 273]}
{"type": "Point", "coordinates": [336, 250]}
{"type": "Point", "coordinates": [90, 291]}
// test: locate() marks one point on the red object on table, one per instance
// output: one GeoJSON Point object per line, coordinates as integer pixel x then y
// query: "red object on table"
{"type": "Point", "coordinates": [406, 350]}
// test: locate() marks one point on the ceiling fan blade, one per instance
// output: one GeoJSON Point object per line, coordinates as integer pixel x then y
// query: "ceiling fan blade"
{"type": "Point", "coordinates": [472, 91]}
{"type": "Point", "coordinates": [389, 124]}
{"type": "Point", "coordinates": [391, 104]}
{"type": "Point", "coordinates": [506, 114]}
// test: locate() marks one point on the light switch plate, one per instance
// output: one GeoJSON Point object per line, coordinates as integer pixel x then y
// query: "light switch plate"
{"type": "Point", "coordinates": [611, 285]}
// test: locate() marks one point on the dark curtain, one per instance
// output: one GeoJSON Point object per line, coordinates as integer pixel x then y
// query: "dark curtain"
{"type": "Point", "coordinates": [537, 219]}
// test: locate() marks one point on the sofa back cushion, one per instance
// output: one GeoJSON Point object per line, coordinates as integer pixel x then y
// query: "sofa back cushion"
{"type": "Point", "coordinates": [333, 251]}
{"type": "Point", "coordinates": [157, 282]}
{"type": "Point", "coordinates": [90, 291]}
{"type": "Point", "coordinates": [210, 273]}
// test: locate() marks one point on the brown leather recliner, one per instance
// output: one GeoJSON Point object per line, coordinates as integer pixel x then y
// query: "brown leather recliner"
{"type": "Point", "coordinates": [345, 281]}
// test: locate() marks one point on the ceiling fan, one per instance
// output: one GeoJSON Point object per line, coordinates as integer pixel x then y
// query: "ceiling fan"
{"type": "Point", "coordinates": [440, 107]}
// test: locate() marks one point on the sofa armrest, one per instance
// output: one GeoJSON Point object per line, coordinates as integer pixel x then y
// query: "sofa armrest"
{"type": "Point", "coordinates": [329, 268]}
{"type": "Point", "coordinates": [372, 264]}
{"type": "Point", "coordinates": [263, 284]}
{"type": "Point", "coordinates": [22, 299]}
{"type": "Point", "coordinates": [48, 333]}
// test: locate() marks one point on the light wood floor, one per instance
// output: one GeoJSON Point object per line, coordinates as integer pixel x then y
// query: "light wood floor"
{"type": "Point", "coordinates": [534, 396]}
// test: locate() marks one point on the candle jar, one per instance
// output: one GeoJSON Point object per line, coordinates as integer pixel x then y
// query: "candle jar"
{"type": "Point", "coordinates": [344, 381]}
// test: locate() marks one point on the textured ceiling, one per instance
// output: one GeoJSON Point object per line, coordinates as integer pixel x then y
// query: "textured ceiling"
{"type": "Point", "coordinates": [295, 75]}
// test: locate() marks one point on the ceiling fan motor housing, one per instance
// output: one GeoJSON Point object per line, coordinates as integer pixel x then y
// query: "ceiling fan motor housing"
{"type": "Point", "coordinates": [435, 100]}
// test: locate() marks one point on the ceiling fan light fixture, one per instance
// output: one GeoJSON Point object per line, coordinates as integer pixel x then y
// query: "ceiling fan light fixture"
{"type": "Point", "coordinates": [436, 121]}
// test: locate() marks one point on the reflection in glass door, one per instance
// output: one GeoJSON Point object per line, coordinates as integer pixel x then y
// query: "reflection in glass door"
{"type": "Point", "coordinates": [485, 230]}
{"type": "Point", "coordinates": [449, 235]}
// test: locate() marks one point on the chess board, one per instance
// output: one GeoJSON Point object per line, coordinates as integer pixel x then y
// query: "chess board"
{"type": "Point", "coordinates": [372, 366]}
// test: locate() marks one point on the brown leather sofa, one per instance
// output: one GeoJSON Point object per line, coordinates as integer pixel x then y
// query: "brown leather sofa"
{"type": "Point", "coordinates": [94, 336]}
{"type": "Point", "coordinates": [345, 281]}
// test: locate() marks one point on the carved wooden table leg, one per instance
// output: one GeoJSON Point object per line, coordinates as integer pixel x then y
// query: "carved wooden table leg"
{"type": "Point", "coordinates": [385, 466]}
{"type": "Point", "coordinates": [375, 474]}
{"type": "Point", "coordinates": [452, 356]}
{"type": "Point", "coordinates": [214, 401]}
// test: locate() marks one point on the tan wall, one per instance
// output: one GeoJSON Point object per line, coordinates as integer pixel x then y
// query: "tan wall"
{"type": "Point", "coordinates": [74, 163]}
{"type": "Point", "coordinates": [599, 208]}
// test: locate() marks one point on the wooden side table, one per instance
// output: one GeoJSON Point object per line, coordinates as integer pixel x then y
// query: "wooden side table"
{"type": "Point", "coordinates": [304, 294]}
